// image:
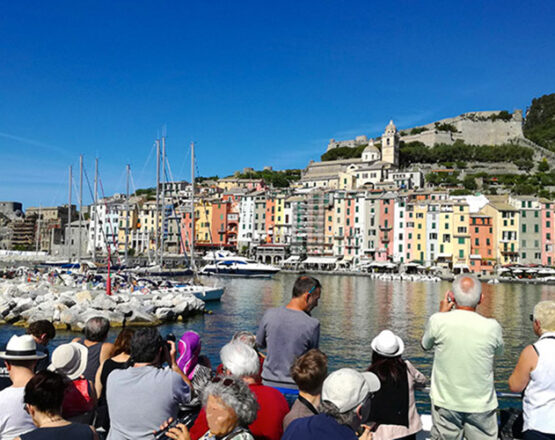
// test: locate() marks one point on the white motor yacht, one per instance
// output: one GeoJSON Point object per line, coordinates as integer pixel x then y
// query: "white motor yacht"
{"type": "Point", "coordinates": [227, 264]}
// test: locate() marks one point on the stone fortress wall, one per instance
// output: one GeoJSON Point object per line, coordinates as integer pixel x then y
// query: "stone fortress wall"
{"type": "Point", "coordinates": [473, 128]}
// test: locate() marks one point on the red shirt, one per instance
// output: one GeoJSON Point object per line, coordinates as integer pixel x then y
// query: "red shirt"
{"type": "Point", "coordinates": [269, 420]}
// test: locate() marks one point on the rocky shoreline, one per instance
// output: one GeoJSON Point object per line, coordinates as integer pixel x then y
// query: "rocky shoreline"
{"type": "Point", "coordinates": [70, 307]}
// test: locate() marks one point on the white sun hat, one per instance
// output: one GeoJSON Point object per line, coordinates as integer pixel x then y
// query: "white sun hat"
{"type": "Point", "coordinates": [21, 348]}
{"type": "Point", "coordinates": [388, 344]}
{"type": "Point", "coordinates": [69, 359]}
{"type": "Point", "coordinates": [347, 388]}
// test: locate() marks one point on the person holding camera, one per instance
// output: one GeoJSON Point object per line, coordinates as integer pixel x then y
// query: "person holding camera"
{"type": "Point", "coordinates": [144, 395]}
{"type": "Point", "coordinates": [465, 344]}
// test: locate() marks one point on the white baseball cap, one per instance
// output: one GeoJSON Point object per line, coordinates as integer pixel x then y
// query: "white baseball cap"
{"type": "Point", "coordinates": [347, 388]}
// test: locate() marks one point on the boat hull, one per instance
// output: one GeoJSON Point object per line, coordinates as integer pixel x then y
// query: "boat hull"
{"type": "Point", "coordinates": [248, 273]}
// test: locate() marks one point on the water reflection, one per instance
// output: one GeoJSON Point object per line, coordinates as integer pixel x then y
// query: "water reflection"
{"type": "Point", "coordinates": [354, 309]}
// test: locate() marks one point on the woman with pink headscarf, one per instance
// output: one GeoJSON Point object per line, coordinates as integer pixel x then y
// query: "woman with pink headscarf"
{"type": "Point", "coordinates": [196, 367]}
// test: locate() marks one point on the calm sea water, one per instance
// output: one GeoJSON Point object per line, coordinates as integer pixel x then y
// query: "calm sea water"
{"type": "Point", "coordinates": [352, 310]}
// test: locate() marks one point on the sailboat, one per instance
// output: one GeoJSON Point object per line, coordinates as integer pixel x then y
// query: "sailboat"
{"type": "Point", "coordinates": [205, 293]}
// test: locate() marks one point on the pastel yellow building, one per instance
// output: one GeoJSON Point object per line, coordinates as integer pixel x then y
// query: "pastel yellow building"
{"type": "Point", "coordinates": [418, 246]}
{"type": "Point", "coordinates": [461, 234]}
{"type": "Point", "coordinates": [445, 234]}
{"type": "Point", "coordinates": [280, 227]}
{"type": "Point", "coordinates": [505, 224]}
{"type": "Point", "coordinates": [203, 217]}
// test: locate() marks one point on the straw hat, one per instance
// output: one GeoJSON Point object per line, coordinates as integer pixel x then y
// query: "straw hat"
{"type": "Point", "coordinates": [21, 348]}
{"type": "Point", "coordinates": [388, 344]}
{"type": "Point", "coordinates": [69, 359]}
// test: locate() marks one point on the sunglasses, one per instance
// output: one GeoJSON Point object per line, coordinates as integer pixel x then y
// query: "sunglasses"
{"type": "Point", "coordinates": [226, 381]}
{"type": "Point", "coordinates": [532, 317]}
{"type": "Point", "coordinates": [313, 288]}
{"type": "Point", "coordinates": [26, 408]}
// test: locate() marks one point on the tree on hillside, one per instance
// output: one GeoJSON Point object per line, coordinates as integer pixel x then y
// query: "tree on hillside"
{"type": "Point", "coordinates": [539, 125]}
{"type": "Point", "coordinates": [543, 166]}
{"type": "Point", "coordinates": [469, 183]}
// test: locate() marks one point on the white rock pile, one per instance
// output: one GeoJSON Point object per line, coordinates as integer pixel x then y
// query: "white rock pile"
{"type": "Point", "coordinates": [21, 303]}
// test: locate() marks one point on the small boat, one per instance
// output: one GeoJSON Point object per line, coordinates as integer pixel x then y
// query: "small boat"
{"type": "Point", "coordinates": [205, 293]}
{"type": "Point", "coordinates": [234, 265]}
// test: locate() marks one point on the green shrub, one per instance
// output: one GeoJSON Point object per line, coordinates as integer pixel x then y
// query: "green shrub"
{"type": "Point", "coordinates": [543, 166]}
{"type": "Point", "coordinates": [418, 130]}
{"type": "Point", "coordinates": [446, 127]}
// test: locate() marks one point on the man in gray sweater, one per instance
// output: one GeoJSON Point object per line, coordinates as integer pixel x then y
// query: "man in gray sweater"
{"type": "Point", "coordinates": [289, 332]}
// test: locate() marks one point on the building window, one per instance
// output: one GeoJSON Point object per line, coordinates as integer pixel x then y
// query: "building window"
{"type": "Point", "coordinates": [461, 240]}
{"type": "Point", "coordinates": [523, 228]}
{"type": "Point", "coordinates": [461, 254]}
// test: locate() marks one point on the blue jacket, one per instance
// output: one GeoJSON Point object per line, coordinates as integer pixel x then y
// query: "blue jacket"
{"type": "Point", "coordinates": [318, 427]}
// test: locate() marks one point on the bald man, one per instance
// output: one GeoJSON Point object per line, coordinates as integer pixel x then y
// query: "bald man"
{"type": "Point", "coordinates": [465, 344]}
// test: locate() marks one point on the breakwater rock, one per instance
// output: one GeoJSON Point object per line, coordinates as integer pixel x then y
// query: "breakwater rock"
{"type": "Point", "coordinates": [22, 303]}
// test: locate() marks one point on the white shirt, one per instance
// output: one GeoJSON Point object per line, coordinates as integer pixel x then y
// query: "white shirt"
{"type": "Point", "coordinates": [14, 421]}
{"type": "Point", "coordinates": [538, 403]}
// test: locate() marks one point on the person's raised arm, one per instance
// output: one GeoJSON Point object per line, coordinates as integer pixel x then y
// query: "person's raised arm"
{"type": "Point", "coordinates": [521, 374]}
{"type": "Point", "coordinates": [171, 356]}
{"type": "Point", "coordinates": [447, 303]}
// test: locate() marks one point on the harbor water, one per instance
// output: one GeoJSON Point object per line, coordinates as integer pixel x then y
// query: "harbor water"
{"type": "Point", "coordinates": [354, 309]}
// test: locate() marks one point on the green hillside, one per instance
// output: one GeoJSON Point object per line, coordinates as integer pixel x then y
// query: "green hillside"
{"type": "Point", "coordinates": [539, 126]}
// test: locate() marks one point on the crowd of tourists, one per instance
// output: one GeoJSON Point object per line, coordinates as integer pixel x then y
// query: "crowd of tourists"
{"type": "Point", "coordinates": [274, 384]}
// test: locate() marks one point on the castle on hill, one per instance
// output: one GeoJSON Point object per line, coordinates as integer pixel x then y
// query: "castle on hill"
{"type": "Point", "coordinates": [378, 166]}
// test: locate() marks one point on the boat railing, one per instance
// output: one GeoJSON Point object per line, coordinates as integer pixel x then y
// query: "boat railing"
{"type": "Point", "coordinates": [500, 394]}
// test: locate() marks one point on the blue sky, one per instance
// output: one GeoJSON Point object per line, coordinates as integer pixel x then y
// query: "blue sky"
{"type": "Point", "coordinates": [253, 83]}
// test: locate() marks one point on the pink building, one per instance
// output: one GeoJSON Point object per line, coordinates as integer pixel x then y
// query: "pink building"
{"type": "Point", "coordinates": [547, 231]}
{"type": "Point", "coordinates": [385, 241]}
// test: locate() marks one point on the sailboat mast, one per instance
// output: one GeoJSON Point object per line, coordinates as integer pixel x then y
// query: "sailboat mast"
{"type": "Point", "coordinates": [127, 217]}
{"type": "Point", "coordinates": [157, 230]}
{"type": "Point", "coordinates": [192, 243]}
{"type": "Point", "coordinates": [162, 238]}
{"type": "Point", "coordinates": [68, 214]}
{"type": "Point", "coordinates": [95, 210]}
{"type": "Point", "coordinates": [80, 205]}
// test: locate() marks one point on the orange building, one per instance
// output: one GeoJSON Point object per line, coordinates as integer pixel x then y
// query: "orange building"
{"type": "Point", "coordinates": [270, 219]}
{"type": "Point", "coordinates": [482, 258]}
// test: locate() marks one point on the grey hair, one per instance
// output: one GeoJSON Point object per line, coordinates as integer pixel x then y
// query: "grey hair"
{"type": "Point", "coordinates": [247, 338]}
{"type": "Point", "coordinates": [544, 313]}
{"type": "Point", "coordinates": [332, 410]}
{"type": "Point", "coordinates": [467, 297]}
{"type": "Point", "coordinates": [240, 359]}
{"type": "Point", "coordinates": [96, 329]}
{"type": "Point", "coordinates": [236, 396]}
